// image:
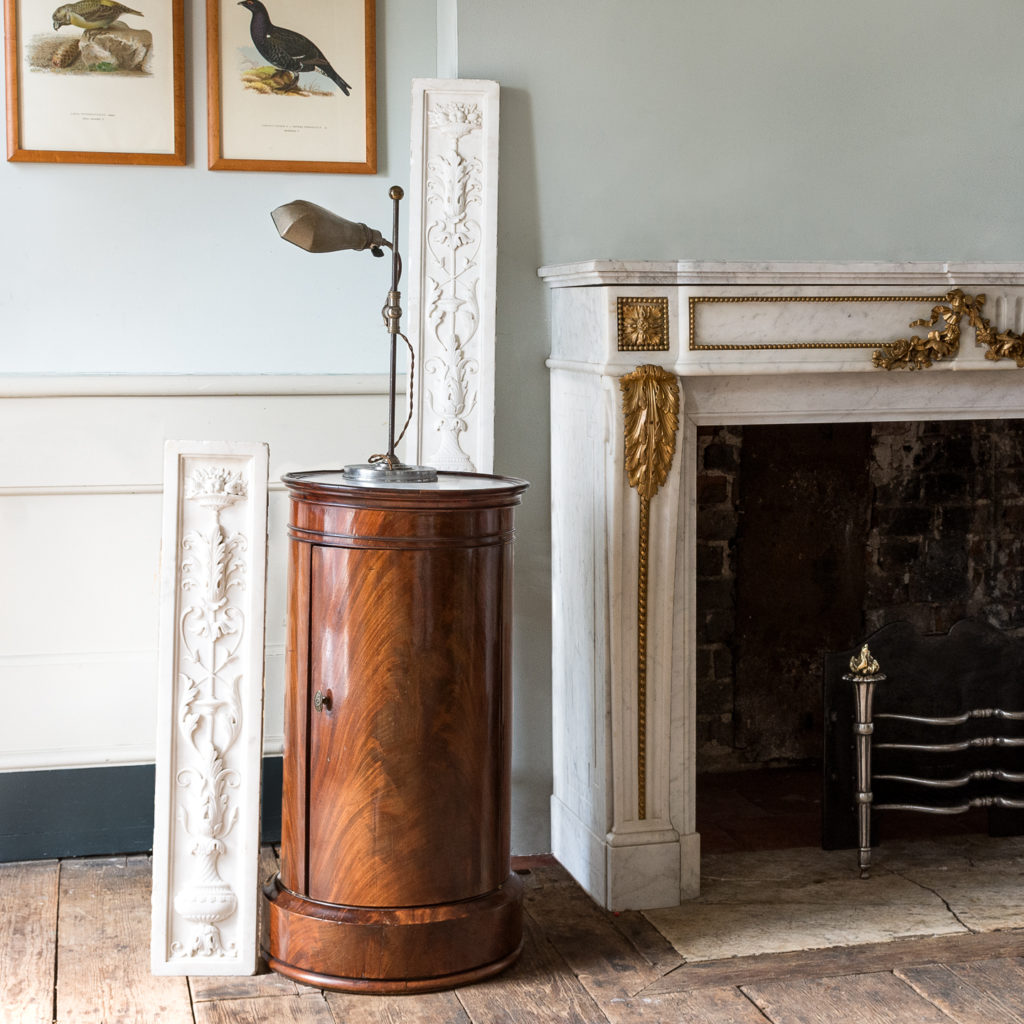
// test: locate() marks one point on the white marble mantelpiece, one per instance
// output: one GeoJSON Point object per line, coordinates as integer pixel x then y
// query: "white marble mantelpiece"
{"type": "Point", "coordinates": [747, 343]}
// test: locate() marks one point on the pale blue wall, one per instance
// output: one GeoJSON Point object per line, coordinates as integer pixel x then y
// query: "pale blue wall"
{"type": "Point", "coordinates": [739, 129]}
{"type": "Point", "coordinates": [129, 269]}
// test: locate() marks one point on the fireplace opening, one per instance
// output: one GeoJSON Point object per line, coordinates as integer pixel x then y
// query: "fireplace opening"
{"type": "Point", "coordinates": [810, 537]}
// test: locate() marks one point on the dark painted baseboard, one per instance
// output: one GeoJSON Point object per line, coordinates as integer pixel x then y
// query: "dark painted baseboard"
{"type": "Point", "coordinates": [76, 812]}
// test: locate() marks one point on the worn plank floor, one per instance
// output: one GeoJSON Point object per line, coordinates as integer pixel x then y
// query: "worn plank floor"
{"type": "Point", "coordinates": [74, 947]}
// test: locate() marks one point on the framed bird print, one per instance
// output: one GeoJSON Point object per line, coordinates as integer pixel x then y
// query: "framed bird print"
{"type": "Point", "coordinates": [95, 81]}
{"type": "Point", "coordinates": [291, 85]}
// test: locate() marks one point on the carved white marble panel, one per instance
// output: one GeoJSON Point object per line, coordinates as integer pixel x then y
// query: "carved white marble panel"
{"type": "Point", "coordinates": [452, 252]}
{"type": "Point", "coordinates": [210, 712]}
{"type": "Point", "coordinates": [769, 344]}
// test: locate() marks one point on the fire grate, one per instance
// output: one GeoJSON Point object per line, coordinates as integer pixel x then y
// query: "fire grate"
{"type": "Point", "coordinates": [924, 724]}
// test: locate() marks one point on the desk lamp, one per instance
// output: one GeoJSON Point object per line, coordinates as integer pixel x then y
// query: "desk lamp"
{"type": "Point", "coordinates": [315, 229]}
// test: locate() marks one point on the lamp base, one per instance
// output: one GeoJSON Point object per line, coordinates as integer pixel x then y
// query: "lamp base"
{"type": "Point", "coordinates": [381, 473]}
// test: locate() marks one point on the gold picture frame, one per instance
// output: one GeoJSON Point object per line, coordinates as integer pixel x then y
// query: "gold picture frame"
{"type": "Point", "coordinates": [270, 111]}
{"type": "Point", "coordinates": [95, 81]}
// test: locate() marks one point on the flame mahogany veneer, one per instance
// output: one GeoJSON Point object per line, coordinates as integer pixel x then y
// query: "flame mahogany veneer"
{"type": "Point", "coordinates": [395, 844]}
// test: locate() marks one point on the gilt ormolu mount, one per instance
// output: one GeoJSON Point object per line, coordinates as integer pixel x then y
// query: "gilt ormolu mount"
{"type": "Point", "coordinates": [650, 404]}
{"type": "Point", "coordinates": [943, 342]}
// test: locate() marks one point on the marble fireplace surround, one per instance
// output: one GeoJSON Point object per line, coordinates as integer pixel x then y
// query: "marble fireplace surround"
{"type": "Point", "coordinates": [744, 343]}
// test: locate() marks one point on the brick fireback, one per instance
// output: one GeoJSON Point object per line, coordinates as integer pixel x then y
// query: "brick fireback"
{"type": "Point", "coordinates": [933, 516]}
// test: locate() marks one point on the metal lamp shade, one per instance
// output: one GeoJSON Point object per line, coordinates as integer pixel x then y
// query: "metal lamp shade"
{"type": "Point", "coordinates": [315, 229]}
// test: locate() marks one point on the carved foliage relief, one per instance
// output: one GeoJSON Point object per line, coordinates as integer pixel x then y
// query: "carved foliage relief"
{"type": "Point", "coordinates": [209, 744]}
{"type": "Point", "coordinates": [209, 715]}
{"type": "Point", "coordinates": [452, 278]}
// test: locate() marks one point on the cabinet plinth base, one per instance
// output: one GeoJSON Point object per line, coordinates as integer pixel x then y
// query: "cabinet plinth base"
{"type": "Point", "coordinates": [394, 949]}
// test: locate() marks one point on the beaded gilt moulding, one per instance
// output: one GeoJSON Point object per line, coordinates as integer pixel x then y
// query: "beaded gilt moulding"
{"type": "Point", "coordinates": [941, 341]}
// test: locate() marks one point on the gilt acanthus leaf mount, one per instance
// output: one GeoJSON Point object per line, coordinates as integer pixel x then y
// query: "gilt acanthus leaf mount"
{"type": "Point", "coordinates": [650, 410]}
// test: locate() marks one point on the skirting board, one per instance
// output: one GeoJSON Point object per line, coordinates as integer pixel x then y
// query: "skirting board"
{"type": "Point", "coordinates": [81, 812]}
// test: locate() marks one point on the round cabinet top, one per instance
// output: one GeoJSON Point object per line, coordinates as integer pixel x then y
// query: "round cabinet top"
{"type": "Point", "coordinates": [328, 484]}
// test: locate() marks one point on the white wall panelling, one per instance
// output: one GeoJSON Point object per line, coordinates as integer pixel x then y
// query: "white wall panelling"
{"type": "Point", "coordinates": [80, 499]}
{"type": "Point", "coordinates": [206, 837]}
{"type": "Point", "coordinates": [624, 858]}
{"type": "Point", "coordinates": [452, 271]}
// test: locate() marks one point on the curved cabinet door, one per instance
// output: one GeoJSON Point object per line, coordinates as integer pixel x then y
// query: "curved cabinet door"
{"type": "Point", "coordinates": [407, 754]}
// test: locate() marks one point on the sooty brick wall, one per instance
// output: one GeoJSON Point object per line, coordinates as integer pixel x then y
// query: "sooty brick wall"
{"type": "Point", "coordinates": [944, 540]}
{"type": "Point", "coordinates": [946, 534]}
{"type": "Point", "coordinates": [718, 465]}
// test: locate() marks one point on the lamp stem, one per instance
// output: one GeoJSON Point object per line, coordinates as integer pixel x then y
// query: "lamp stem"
{"type": "Point", "coordinates": [387, 468]}
{"type": "Point", "coordinates": [392, 387]}
{"type": "Point", "coordinates": [393, 317]}
{"type": "Point", "coordinates": [396, 194]}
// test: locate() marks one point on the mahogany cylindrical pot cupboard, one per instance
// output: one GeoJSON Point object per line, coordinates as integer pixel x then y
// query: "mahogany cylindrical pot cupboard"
{"type": "Point", "coordinates": [395, 854]}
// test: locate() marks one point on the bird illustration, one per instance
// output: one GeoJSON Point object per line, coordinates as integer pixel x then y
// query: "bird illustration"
{"type": "Point", "coordinates": [89, 14]}
{"type": "Point", "coordinates": [287, 50]}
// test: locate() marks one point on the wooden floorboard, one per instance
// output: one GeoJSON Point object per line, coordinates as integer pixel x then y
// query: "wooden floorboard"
{"type": "Point", "coordinates": [708, 1006]}
{"type": "Point", "coordinates": [615, 956]}
{"type": "Point", "coordinates": [86, 923]}
{"type": "Point", "coordinates": [303, 1009]}
{"type": "Point", "coordinates": [604, 960]}
{"type": "Point", "coordinates": [648, 941]}
{"type": "Point", "coordinates": [986, 992]}
{"type": "Point", "coordinates": [856, 999]}
{"type": "Point", "coordinates": [428, 1008]}
{"type": "Point", "coordinates": [255, 986]}
{"type": "Point", "coordinates": [28, 931]}
{"type": "Point", "coordinates": [819, 963]}
{"type": "Point", "coordinates": [538, 988]}
{"type": "Point", "coordinates": [103, 947]}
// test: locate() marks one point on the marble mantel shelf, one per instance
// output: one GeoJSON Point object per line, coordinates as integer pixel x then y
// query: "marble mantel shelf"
{"type": "Point", "coordinates": [723, 342]}
{"type": "Point", "coordinates": [732, 272]}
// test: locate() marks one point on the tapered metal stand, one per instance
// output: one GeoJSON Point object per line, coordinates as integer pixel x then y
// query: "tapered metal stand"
{"type": "Point", "coordinates": [864, 675]}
